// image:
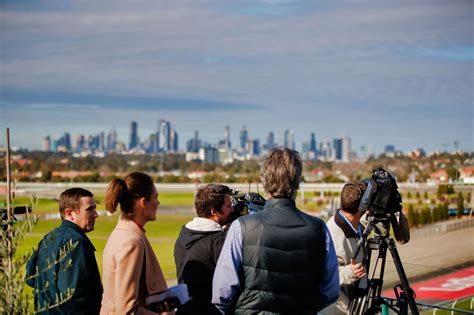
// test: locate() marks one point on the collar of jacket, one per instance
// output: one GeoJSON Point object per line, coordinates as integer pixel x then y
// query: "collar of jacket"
{"type": "Point", "coordinates": [279, 202]}
{"type": "Point", "coordinates": [343, 225]}
{"type": "Point", "coordinates": [71, 225]}
{"type": "Point", "coordinates": [129, 225]}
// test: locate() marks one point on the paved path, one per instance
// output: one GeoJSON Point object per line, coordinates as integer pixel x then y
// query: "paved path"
{"type": "Point", "coordinates": [425, 255]}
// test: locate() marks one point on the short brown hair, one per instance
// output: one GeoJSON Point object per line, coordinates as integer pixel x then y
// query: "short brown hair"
{"type": "Point", "coordinates": [71, 199]}
{"type": "Point", "coordinates": [124, 191]}
{"type": "Point", "coordinates": [210, 197]}
{"type": "Point", "coordinates": [351, 195]}
{"type": "Point", "coordinates": [281, 173]}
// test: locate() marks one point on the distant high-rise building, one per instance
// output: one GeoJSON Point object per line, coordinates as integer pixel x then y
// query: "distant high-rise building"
{"type": "Point", "coordinates": [253, 147]}
{"type": "Point", "coordinates": [312, 143]}
{"type": "Point", "coordinates": [346, 149]}
{"type": "Point", "coordinates": [133, 143]}
{"type": "Point", "coordinates": [101, 142]}
{"type": "Point", "coordinates": [227, 142]}
{"type": "Point", "coordinates": [326, 152]}
{"type": "Point", "coordinates": [173, 141]}
{"type": "Point", "coordinates": [289, 139]}
{"type": "Point", "coordinates": [112, 140]}
{"type": "Point", "coordinates": [153, 146]}
{"type": "Point", "coordinates": [165, 135]}
{"type": "Point", "coordinates": [270, 141]}
{"type": "Point", "coordinates": [389, 148]}
{"type": "Point", "coordinates": [46, 145]}
{"type": "Point", "coordinates": [193, 145]}
{"type": "Point", "coordinates": [342, 149]}
{"type": "Point", "coordinates": [244, 136]}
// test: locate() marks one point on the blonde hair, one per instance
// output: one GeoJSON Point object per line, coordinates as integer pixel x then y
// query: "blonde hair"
{"type": "Point", "coordinates": [281, 173]}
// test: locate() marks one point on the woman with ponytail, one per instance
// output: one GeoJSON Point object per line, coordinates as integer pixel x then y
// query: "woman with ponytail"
{"type": "Point", "coordinates": [131, 271]}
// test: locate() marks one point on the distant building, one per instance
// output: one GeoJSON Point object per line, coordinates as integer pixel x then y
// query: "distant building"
{"type": "Point", "coordinates": [193, 145]}
{"type": "Point", "coordinates": [389, 149]}
{"type": "Point", "coordinates": [209, 155]}
{"type": "Point", "coordinates": [133, 143]}
{"type": "Point", "coordinates": [112, 140]}
{"type": "Point", "coordinates": [270, 141]}
{"type": "Point", "coordinates": [289, 139]}
{"type": "Point", "coordinates": [227, 142]}
{"type": "Point", "coordinates": [244, 135]}
{"type": "Point", "coordinates": [46, 144]}
{"type": "Point", "coordinates": [312, 143]}
{"type": "Point", "coordinates": [342, 149]}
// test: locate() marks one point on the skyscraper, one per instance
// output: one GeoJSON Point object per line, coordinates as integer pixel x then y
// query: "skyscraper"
{"type": "Point", "coordinates": [46, 145]}
{"type": "Point", "coordinates": [173, 141]}
{"type": "Point", "coordinates": [243, 138]}
{"type": "Point", "coordinates": [312, 143]}
{"type": "Point", "coordinates": [289, 139]}
{"type": "Point", "coordinates": [133, 135]}
{"type": "Point", "coordinates": [165, 135]}
{"type": "Point", "coordinates": [111, 140]}
{"type": "Point", "coordinates": [342, 149]}
{"type": "Point", "coordinates": [270, 141]}
{"type": "Point", "coordinates": [227, 137]}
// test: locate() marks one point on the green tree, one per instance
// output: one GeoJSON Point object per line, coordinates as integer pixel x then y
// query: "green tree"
{"type": "Point", "coordinates": [12, 272]}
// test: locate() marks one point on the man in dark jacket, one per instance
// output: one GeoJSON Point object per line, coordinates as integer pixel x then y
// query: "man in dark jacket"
{"type": "Point", "coordinates": [199, 244]}
{"type": "Point", "coordinates": [279, 260]}
{"type": "Point", "coordinates": [63, 271]}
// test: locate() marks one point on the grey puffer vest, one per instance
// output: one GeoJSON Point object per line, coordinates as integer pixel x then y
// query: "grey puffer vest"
{"type": "Point", "coordinates": [283, 253]}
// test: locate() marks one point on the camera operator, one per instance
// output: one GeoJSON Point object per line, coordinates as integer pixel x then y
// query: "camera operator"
{"type": "Point", "coordinates": [346, 230]}
{"type": "Point", "coordinates": [279, 260]}
{"type": "Point", "coordinates": [199, 244]}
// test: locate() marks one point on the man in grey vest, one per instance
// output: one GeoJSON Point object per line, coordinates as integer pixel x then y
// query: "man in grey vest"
{"type": "Point", "coordinates": [279, 260]}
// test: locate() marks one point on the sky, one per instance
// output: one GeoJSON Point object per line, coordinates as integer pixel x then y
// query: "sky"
{"type": "Point", "coordinates": [379, 72]}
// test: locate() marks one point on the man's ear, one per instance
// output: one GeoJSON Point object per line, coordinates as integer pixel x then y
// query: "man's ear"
{"type": "Point", "coordinates": [68, 214]}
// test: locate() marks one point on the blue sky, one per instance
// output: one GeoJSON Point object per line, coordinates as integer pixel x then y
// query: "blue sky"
{"type": "Point", "coordinates": [380, 72]}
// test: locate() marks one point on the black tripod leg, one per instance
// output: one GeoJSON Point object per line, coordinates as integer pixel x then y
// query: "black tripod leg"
{"type": "Point", "coordinates": [403, 278]}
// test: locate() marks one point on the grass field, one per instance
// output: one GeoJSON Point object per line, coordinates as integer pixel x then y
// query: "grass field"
{"type": "Point", "coordinates": [162, 234]}
{"type": "Point", "coordinates": [46, 205]}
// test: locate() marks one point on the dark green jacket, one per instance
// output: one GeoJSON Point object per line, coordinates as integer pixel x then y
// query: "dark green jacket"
{"type": "Point", "coordinates": [52, 273]}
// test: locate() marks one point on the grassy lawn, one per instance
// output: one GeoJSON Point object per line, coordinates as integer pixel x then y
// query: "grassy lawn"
{"type": "Point", "coordinates": [464, 304]}
{"type": "Point", "coordinates": [47, 205]}
{"type": "Point", "coordinates": [162, 234]}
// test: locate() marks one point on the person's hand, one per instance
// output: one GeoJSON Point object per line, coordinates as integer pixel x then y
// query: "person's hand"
{"type": "Point", "coordinates": [357, 269]}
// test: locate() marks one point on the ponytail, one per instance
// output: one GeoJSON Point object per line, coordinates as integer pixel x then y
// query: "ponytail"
{"type": "Point", "coordinates": [117, 192]}
{"type": "Point", "coordinates": [135, 185]}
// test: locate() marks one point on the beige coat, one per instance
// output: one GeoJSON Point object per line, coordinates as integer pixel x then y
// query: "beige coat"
{"type": "Point", "coordinates": [130, 271]}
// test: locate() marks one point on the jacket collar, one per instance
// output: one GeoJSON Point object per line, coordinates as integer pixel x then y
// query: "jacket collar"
{"type": "Point", "coordinates": [344, 226]}
{"type": "Point", "coordinates": [71, 225]}
{"type": "Point", "coordinates": [129, 225]}
{"type": "Point", "coordinates": [279, 202]}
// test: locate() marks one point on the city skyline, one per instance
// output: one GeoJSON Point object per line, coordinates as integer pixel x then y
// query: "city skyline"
{"type": "Point", "coordinates": [381, 73]}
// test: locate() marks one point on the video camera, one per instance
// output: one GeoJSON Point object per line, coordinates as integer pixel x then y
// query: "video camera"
{"type": "Point", "coordinates": [245, 203]}
{"type": "Point", "coordinates": [383, 204]}
{"type": "Point", "coordinates": [16, 210]}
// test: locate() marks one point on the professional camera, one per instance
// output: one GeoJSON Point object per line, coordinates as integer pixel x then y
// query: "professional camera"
{"type": "Point", "coordinates": [381, 195]}
{"type": "Point", "coordinates": [15, 210]}
{"type": "Point", "coordinates": [382, 203]}
{"type": "Point", "coordinates": [245, 203]}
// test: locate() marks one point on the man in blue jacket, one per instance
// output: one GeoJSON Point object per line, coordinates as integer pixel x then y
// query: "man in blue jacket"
{"type": "Point", "coordinates": [63, 270]}
{"type": "Point", "coordinates": [279, 260]}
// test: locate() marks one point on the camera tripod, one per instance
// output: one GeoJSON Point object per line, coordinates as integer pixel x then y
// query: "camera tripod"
{"type": "Point", "coordinates": [368, 300]}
